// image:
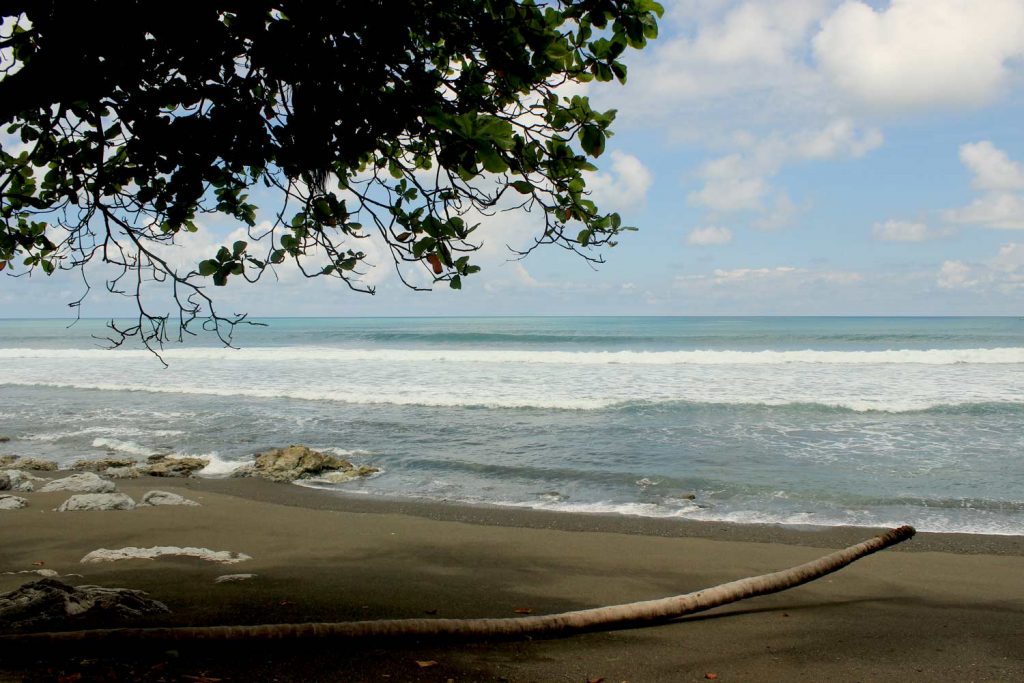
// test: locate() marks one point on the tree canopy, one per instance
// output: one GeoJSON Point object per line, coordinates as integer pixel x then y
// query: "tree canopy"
{"type": "Point", "coordinates": [127, 124]}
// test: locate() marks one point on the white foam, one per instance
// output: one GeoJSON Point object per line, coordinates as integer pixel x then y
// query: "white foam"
{"type": "Point", "coordinates": [604, 507]}
{"type": "Point", "coordinates": [107, 431]}
{"type": "Point", "coordinates": [217, 465]}
{"type": "Point", "coordinates": [713, 395]}
{"type": "Point", "coordinates": [233, 578]}
{"type": "Point", "coordinates": [220, 467]}
{"type": "Point", "coordinates": [128, 447]}
{"type": "Point", "coordinates": [312, 354]}
{"type": "Point", "coordinates": [376, 398]}
{"type": "Point", "coordinates": [133, 553]}
{"type": "Point", "coordinates": [922, 519]}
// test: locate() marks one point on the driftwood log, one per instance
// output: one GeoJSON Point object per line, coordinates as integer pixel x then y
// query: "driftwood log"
{"type": "Point", "coordinates": [650, 611]}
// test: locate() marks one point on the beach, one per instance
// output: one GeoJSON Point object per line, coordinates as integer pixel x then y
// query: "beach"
{"type": "Point", "coordinates": [938, 607]}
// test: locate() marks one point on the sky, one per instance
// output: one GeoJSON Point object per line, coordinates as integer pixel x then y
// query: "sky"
{"type": "Point", "coordinates": [782, 157]}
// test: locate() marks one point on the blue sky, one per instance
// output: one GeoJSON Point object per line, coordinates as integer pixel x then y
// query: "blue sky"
{"type": "Point", "coordinates": [792, 157]}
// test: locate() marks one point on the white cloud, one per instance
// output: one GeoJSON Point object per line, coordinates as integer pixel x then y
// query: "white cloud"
{"type": "Point", "coordinates": [709, 236]}
{"type": "Point", "coordinates": [624, 186]}
{"type": "Point", "coordinates": [757, 32]}
{"type": "Point", "coordinates": [740, 181]}
{"type": "Point", "coordinates": [730, 194]}
{"type": "Point", "coordinates": [840, 138]}
{"type": "Point", "coordinates": [724, 62]}
{"type": "Point", "coordinates": [721, 275]}
{"type": "Point", "coordinates": [998, 177]}
{"type": "Point", "coordinates": [1003, 273]}
{"type": "Point", "coordinates": [921, 53]}
{"type": "Point", "coordinates": [1010, 258]}
{"type": "Point", "coordinates": [524, 276]}
{"type": "Point", "coordinates": [901, 231]}
{"type": "Point", "coordinates": [992, 168]}
{"type": "Point", "coordinates": [996, 210]}
{"type": "Point", "coordinates": [781, 214]}
{"type": "Point", "coordinates": [781, 290]}
{"type": "Point", "coordinates": [953, 275]}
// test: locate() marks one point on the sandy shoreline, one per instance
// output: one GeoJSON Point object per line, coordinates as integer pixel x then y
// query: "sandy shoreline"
{"type": "Point", "coordinates": [940, 607]}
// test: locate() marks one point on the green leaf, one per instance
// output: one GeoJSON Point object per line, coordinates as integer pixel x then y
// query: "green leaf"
{"type": "Point", "coordinates": [208, 267]}
{"type": "Point", "coordinates": [522, 187]}
{"type": "Point", "coordinates": [455, 282]}
{"type": "Point", "coordinates": [492, 161]}
{"type": "Point", "coordinates": [238, 247]}
{"type": "Point", "coordinates": [592, 140]}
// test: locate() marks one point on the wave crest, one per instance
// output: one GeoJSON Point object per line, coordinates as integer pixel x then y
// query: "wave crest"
{"type": "Point", "coordinates": [1001, 355]}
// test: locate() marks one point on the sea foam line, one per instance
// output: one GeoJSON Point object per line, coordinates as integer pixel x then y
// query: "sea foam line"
{"type": "Point", "coordinates": [534, 401]}
{"type": "Point", "coordinates": [1002, 355]}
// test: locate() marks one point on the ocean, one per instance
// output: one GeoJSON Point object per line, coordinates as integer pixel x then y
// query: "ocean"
{"type": "Point", "coordinates": [798, 421]}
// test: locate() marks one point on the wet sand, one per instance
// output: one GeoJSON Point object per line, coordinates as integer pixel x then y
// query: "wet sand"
{"type": "Point", "coordinates": [939, 607]}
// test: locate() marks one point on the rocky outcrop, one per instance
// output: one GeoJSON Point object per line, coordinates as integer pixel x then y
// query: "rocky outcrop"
{"type": "Point", "coordinates": [84, 482]}
{"type": "Point", "coordinates": [133, 553]}
{"type": "Point", "coordinates": [9, 502]}
{"type": "Point", "coordinates": [97, 501]}
{"type": "Point", "coordinates": [301, 462]}
{"type": "Point", "coordinates": [22, 481]}
{"type": "Point", "coordinates": [165, 466]}
{"type": "Point", "coordinates": [123, 472]}
{"type": "Point", "coordinates": [49, 601]}
{"type": "Point", "coordinates": [165, 498]}
{"type": "Point", "coordinates": [102, 464]}
{"type": "Point", "coordinates": [5, 481]}
{"type": "Point", "coordinates": [35, 464]}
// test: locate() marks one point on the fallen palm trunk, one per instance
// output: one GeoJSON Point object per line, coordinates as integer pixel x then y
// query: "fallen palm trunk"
{"type": "Point", "coordinates": [587, 619]}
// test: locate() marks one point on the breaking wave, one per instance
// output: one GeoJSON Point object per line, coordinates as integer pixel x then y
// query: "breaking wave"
{"type": "Point", "coordinates": [310, 354]}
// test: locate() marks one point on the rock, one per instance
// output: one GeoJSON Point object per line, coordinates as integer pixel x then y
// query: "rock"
{"type": "Point", "coordinates": [299, 462]}
{"type": "Point", "coordinates": [102, 464]}
{"type": "Point", "coordinates": [233, 578]}
{"type": "Point", "coordinates": [48, 601]}
{"type": "Point", "coordinates": [8, 460]}
{"type": "Point", "coordinates": [4, 439]}
{"type": "Point", "coordinates": [22, 481]}
{"type": "Point", "coordinates": [174, 467]}
{"type": "Point", "coordinates": [133, 553]}
{"type": "Point", "coordinates": [36, 464]}
{"type": "Point", "coordinates": [165, 498]}
{"type": "Point", "coordinates": [37, 572]}
{"type": "Point", "coordinates": [97, 501]}
{"type": "Point", "coordinates": [341, 476]}
{"type": "Point", "coordinates": [5, 481]}
{"type": "Point", "coordinates": [123, 472]}
{"type": "Point", "coordinates": [84, 482]}
{"type": "Point", "coordinates": [9, 502]}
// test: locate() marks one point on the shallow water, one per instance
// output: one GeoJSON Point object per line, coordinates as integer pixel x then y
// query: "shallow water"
{"type": "Point", "coordinates": [863, 421]}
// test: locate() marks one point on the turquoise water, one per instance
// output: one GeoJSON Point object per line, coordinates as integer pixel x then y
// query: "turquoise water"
{"type": "Point", "coordinates": [823, 421]}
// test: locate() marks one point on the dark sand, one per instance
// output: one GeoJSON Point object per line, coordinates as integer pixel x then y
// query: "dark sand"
{"type": "Point", "coordinates": [941, 607]}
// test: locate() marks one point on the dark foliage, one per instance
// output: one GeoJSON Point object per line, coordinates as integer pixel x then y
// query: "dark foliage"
{"type": "Point", "coordinates": [404, 118]}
